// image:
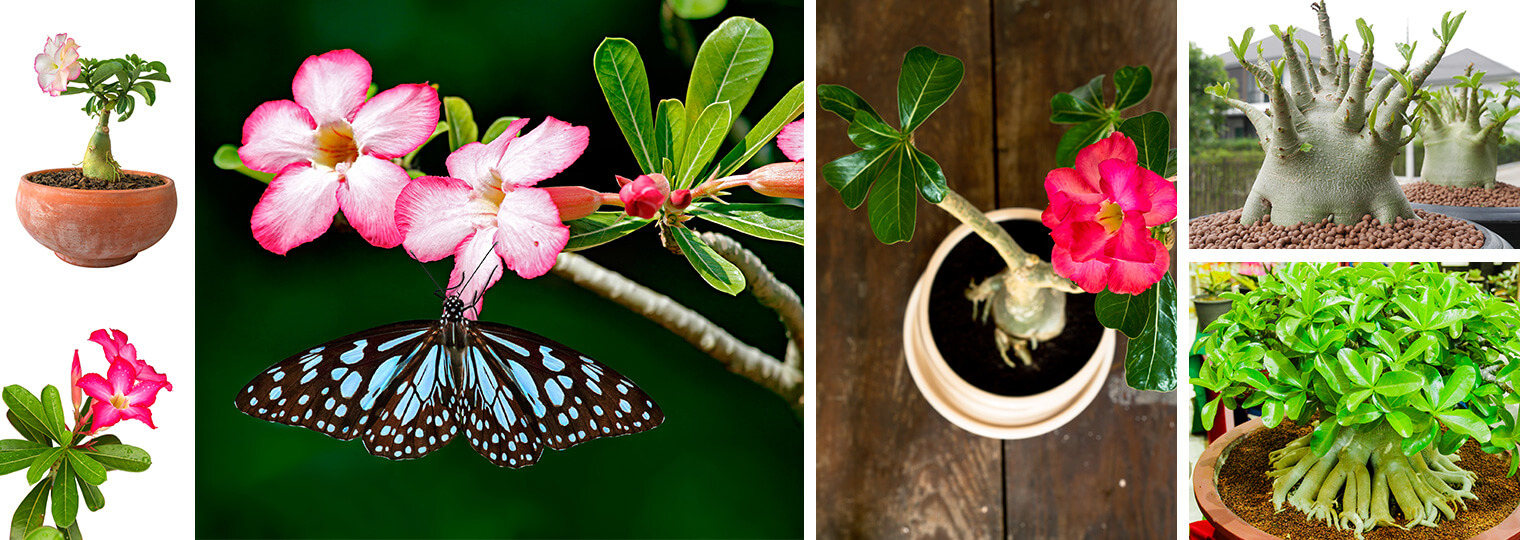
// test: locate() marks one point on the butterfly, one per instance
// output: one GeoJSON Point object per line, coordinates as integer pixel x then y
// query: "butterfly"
{"type": "Point", "coordinates": [410, 388]}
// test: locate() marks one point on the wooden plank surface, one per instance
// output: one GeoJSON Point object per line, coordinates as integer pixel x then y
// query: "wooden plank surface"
{"type": "Point", "coordinates": [888, 465]}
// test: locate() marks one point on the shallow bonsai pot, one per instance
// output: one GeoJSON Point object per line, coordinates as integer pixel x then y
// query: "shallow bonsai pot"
{"type": "Point", "coordinates": [1228, 526]}
{"type": "Point", "coordinates": [95, 228]}
{"type": "Point", "coordinates": [974, 409]}
{"type": "Point", "coordinates": [1491, 240]}
{"type": "Point", "coordinates": [1503, 221]}
{"type": "Point", "coordinates": [1210, 309]}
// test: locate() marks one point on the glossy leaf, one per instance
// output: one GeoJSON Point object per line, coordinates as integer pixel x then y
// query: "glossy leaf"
{"type": "Point", "coordinates": [1078, 137]}
{"type": "Point", "coordinates": [93, 498]}
{"type": "Point", "coordinates": [1151, 360]}
{"type": "Point", "coordinates": [1152, 134]}
{"type": "Point", "coordinates": [1323, 437]}
{"type": "Point", "coordinates": [893, 202]}
{"type": "Point", "coordinates": [600, 228]}
{"type": "Point", "coordinates": [65, 495]}
{"type": "Point", "coordinates": [497, 129]}
{"type": "Point", "coordinates": [1398, 383]}
{"type": "Point", "coordinates": [32, 434]}
{"type": "Point", "coordinates": [713, 268]}
{"type": "Point", "coordinates": [781, 222]}
{"type": "Point", "coordinates": [852, 175]}
{"type": "Point", "coordinates": [869, 132]}
{"type": "Point", "coordinates": [52, 408]}
{"type": "Point", "coordinates": [87, 468]}
{"type": "Point", "coordinates": [843, 102]}
{"type": "Point", "coordinates": [1080, 106]}
{"type": "Point", "coordinates": [30, 513]}
{"type": "Point", "coordinates": [42, 464]}
{"type": "Point", "coordinates": [670, 129]}
{"type": "Point", "coordinates": [785, 111]}
{"type": "Point", "coordinates": [927, 176]}
{"type": "Point", "coordinates": [1127, 313]}
{"type": "Point", "coordinates": [926, 82]}
{"type": "Point", "coordinates": [697, 9]}
{"type": "Point", "coordinates": [728, 67]}
{"type": "Point", "coordinates": [461, 120]}
{"type": "Point", "coordinates": [702, 141]}
{"type": "Point", "coordinates": [625, 85]}
{"type": "Point", "coordinates": [45, 533]}
{"type": "Point", "coordinates": [19, 454]}
{"type": "Point", "coordinates": [1132, 84]}
{"type": "Point", "coordinates": [26, 408]}
{"type": "Point", "coordinates": [121, 457]}
{"type": "Point", "coordinates": [1465, 422]}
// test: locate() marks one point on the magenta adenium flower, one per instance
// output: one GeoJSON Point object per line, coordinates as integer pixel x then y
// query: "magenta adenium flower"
{"type": "Point", "coordinates": [114, 344]}
{"type": "Point", "coordinates": [1100, 213]}
{"type": "Point", "coordinates": [119, 395]}
{"type": "Point", "coordinates": [331, 150]}
{"type": "Point", "coordinates": [643, 196]}
{"type": "Point", "coordinates": [487, 214]}
{"type": "Point", "coordinates": [58, 64]}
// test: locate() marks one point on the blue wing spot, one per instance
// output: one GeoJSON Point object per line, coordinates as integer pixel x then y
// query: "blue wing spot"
{"type": "Point", "coordinates": [646, 415]}
{"type": "Point", "coordinates": [329, 404]}
{"type": "Point", "coordinates": [303, 400]}
{"type": "Point", "coordinates": [566, 382]}
{"type": "Point", "coordinates": [575, 413]}
{"type": "Point", "coordinates": [377, 382]}
{"type": "Point", "coordinates": [253, 401]}
{"type": "Point", "coordinates": [392, 343]}
{"type": "Point", "coordinates": [529, 390]}
{"type": "Point", "coordinates": [508, 344]}
{"type": "Point", "coordinates": [338, 373]}
{"type": "Point", "coordinates": [356, 354]}
{"type": "Point", "coordinates": [278, 375]}
{"type": "Point", "coordinates": [598, 410]}
{"type": "Point", "coordinates": [552, 390]}
{"type": "Point", "coordinates": [594, 387]}
{"type": "Point", "coordinates": [310, 362]}
{"type": "Point", "coordinates": [623, 404]}
{"type": "Point", "coordinates": [622, 389]}
{"type": "Point", "coordinates": [591, 371]}
{"type": "Point", "coordinates": [563, 420]}
{"type": "Point", "coordinates": [350, 385]}
{"type": "Point", "coordinates": [550, 362]}
{"type": "Point", "coordinates": [310, 374]}
{"type": "Point", "coordinates": [342, 409]}
{"type": "Point", "coordinates": [274, 393]}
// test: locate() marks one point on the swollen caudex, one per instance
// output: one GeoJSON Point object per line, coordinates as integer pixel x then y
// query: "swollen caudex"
{"type": "Point", "coordinates": [1355, 484]}
{"type": "Point", "coordinates": [1463, 126]}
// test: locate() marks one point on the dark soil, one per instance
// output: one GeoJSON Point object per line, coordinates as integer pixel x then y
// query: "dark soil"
{"type": "Point", "coordinates": [1502, 196]}
{"type": "Point", "coordinates": [75, 179]}
{"type": "Point", "coordinates": [968, 345]}
{"type": "Point", "coordinates": [1247, 491]}
{"type": "Point", "coordinates": [1224, 231]}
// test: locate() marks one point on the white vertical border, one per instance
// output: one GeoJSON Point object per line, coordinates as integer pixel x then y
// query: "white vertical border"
{"type": "Point", "coordinates": [810, 271]}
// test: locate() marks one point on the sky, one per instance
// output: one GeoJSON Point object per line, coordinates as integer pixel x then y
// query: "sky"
{"type": "Point", "coordinates": [1489, 28]}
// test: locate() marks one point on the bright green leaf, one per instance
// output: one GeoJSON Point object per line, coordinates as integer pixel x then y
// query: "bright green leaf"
{"type": "Point", "coordinates": [600, 228]}
{"type": "Point", "coordinates": [29, 514]}
{"type": "Point", "coordinates": [1151, 361]}
{"type": "Point", "coordinates": [728, 67]}
{"type": "Point", "coordinates": [462, 128]}
{"type": "Point", "coordinates": [786, 110]}
{"type": "Point", "coordinates": [121, 457]}
{"type": "Point", "coordinates": [843, 102]}
{"type": "Point", "coordinates": [65, 495]}
{"type": "Point", "coordinates": [52, 408]}
{"type": "Point", "coordinates": [670, 129]}
{"type": "Point", "coordinates": [88, 469]}
{"type": "Point", "coordinates": [620, 72]}
{"type": "Point", "coordinates": [782, 222]}
{"type": "Point", "coordinates": [697, 9]}
{"type": "Point", "coordinates": [702, 142]}
{"type": "Point", "coordinates": [497, 129]}
{"type": "Point", "coordinates": [927, 81]}
{"type": "Point", "coordinates": [716, 270]}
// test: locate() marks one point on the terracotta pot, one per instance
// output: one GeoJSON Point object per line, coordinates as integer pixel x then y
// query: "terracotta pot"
{"type": "Point", "coordinates": [1228, 526]}
{"type": "Point", "coordinates": [979, 411]}
{"type": "Point", "coordinates": [95, 228]}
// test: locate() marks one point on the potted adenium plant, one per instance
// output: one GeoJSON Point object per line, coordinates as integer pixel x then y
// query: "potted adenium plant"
{"type": "Point", "coordinates": [1463, 126]}
{"type": "Point", "coordinates": [1215, 279]}
{"type": "Point", "coordinates": [1330, 137]}
{"type": "Point", "coordinates": [1019, 352]}
{"type": "Point", "coordinates": [66, 464]}
{"type": "Point", "coordinates": [1387, 370]}
{"type": "Point", "coordinates": [97, 214]}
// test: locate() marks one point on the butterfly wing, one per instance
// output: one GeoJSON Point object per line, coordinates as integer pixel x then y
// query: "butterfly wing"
{"type": "Point", "coordinates": [336, 388]}
{"type": "Point", "coordinates": [571, 398]}
{"type": "Point", "coordinates": [494, 420]}
{"type": "Point", "coordinates": [415, 416]}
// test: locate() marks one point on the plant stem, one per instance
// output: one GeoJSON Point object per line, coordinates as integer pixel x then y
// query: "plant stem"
{"type": "Point", "coordinates": [98, 162]}
{"type": "Point", "coordinates": [994, 234]}
{"type": "Point", "coordinates": [739, 357]}
{"type": "Point", "coordinates": [768, 290]}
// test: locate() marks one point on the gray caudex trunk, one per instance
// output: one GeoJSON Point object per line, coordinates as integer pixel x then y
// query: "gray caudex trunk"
{"type": "Point", "coordinates": [1461, 141]}
{"type": "Point", "coordinates": [1330, 137]}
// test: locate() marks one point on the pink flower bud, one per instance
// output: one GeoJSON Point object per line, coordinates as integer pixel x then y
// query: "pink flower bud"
{"type": "Point", "coordinates": [643, 197]}
{"type": "Point", "coordinates": [74, 375]}
{"type": "Point", "coordinates": [680, 199]}
{"type": "Point", "coordinates": [574, 202]}
{"type": "Point", "coordinates": [782, 180]}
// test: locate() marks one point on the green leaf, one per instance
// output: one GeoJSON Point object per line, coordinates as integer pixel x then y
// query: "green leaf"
{"type": "Point", "coordinates": [1080, 106]}
{"type": "Point", "coordinates": [147, 91]}
{"type": "Point", "coordinates": [88, 469]}
{"type": "Point", "coordinates": [1323, 437]}
{"type": "Point", "coordinates": [1128, 313]}
{"type": "Point", "coordinates": [782, 222]}
{"type": "Point", "coordinates": [93, 498]}
{"type": "Point", "coordinates": [121, 457]}
{"type": "Point", "coordinates": [45, 533]}
{"type": "Point", "coordinates": [786, 110]}
{"type": "Point", "coordinates": [30, 513]}
{"type": "Point", "coordinates": [1151, 360]}
{"type": "Point", "coordinates": [1132, 84]}
{"type": "Point", "coordinates": [1355, 367]}
{"type": "Point", "coordinates": [728, 67]}
{"type": "Point", "coordinates": [843, 102]}
{"type": "Point", "coordinates": [1417, 349]}
{"type": "Point", "coordinates": [227, 158]}
{"type": "Point", "coordinates": [1413, 445]}
{"type": "Point", "coordinates": [1398, 383]}
{"type": "Point", "coordinates": [52, 408]}
{"type": "Point", "coordinates": [65, 495]}
{"type": "Point", "coordinates": [670, 129]}
{"type": "Point", "coordinates": [1077, 138]}
{"type": "Point", "coordinates": [927, 81]}
{"type": "Point", "coordinates": [707, 133]}
{"type": "Point", "coordinates": [893, 204]}
{"type": "Point", "coordinates": [1457, 387]}
{"type": "Point", "coordinates": [406, 161]}
{"type": "Point", "coordinates": [497, 129]}
{"type": "Point", "coordinates": [1401, 423]}
{"type": "Point", "coordinates": [42, 464]}
{"type": "Point", "coordinates": [16, 454]}
{"type": "Point", "coordinates": [869, 132]}
{"type": "Point", "coordinates": [620, 72]}
{"type": "Point", "coordinates": [26, 408]}
{"type": "Point", "coordinates": [462, 128]}
{"type": "Point", "coordinates": [1152, 134]}
{"type": "Point", "coordinates": [30, 433]}
{"type": "Point", "coordinates": [697, 9]}
{"type": "Point", "coordinates": [600, 228]}
{"type": "Point", "coordinates": [927, 175]}
{"type": "Point", "coordinates": [718, 272]}
{"type": "Point", "coordinates": [1465, 422]}
{"type": "Point", "coordinates": [1272, 413]}
{"type": "Point", "coordinates": [106, 70]}
{"type": "Point", "coordinates": [852, 175]}
{"type": "Point", "coordinates": [162, 77]}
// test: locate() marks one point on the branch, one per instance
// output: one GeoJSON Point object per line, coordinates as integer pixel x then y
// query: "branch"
{"type": "Point", "coordinates": [768, 290]}
{"type": "Point", "coordinates": [1259, 119]}
{"type": "Point", "coordinates": [1354, 106]}
{"type": "Point", "coordinates": [737, 356]}
{"type": "Point", "coordinates": [1327, 58]}
{"type": "Point", "coordinates": [1302, 95]}
{"type": "Point", "coordinates": [1284, 129]}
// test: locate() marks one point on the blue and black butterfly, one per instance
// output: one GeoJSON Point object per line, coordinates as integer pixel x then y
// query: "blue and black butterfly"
{"type": "Point", "coordinates": [410, 388]}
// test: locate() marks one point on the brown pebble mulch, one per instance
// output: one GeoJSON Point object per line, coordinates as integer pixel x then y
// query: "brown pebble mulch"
{"type": "Point", "coordinates": [1432, 231]}
{"type": "Point", "coordinates": [1247, 491]}
{"type": "Point", "coordinates": [1503, 195]}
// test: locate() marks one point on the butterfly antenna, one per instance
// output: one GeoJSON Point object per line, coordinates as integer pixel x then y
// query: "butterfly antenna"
{"type": "Point", "coordinates": [473, 302]}
{"type": "Point", "coordinates": [437, 289]}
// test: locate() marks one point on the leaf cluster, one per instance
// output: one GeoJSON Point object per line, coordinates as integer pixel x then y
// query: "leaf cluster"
{"type": "Point", "coordinates": [1423, 350]}
{"type": "Point", "coordinates": [111, 84]}
{"type": "Point", "coordinates": [62, 464]}
{"type": "Point", "coordinates": [1094, 119]}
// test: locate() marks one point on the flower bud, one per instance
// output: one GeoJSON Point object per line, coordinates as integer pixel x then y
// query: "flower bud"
{"type": "Point", "coordinates": [643, 196]}
{"type": "Point", "coordinates": [782, 180]}
{"type": "Point", "coordinates": [680, 199]}
{"type": "Point", "coordinates": [74, 376]}
{"type": "Point", "coordinates": [574, 202]}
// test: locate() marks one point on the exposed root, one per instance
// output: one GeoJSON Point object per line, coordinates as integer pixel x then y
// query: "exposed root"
{"type": "Point", "coordinates": [1026, 311]}
{"type": "Point", "coordinates": [1349, 487]}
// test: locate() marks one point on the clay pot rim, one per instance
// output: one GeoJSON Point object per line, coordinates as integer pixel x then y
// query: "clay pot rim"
{"type": "Point", "coordinates": [168, 182]}
{"type": "Point", "coordinates": [1206, 493]}
{"type": "Point", "coordinates": [1083, 386]}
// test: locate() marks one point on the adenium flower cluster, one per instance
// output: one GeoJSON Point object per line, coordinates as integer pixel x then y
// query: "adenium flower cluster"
{"type": "Point", "coordinates": [1100, 216]}
{"type": "Point", "coordinates": [57, 65]}
{"type": "Point", "coordinates": [127, 390]}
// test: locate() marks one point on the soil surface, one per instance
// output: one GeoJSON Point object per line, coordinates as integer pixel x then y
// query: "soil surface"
{"type": "Point", "coordinates": [968, 344]}
{"type": "Point", "coordinates": [1247, 491]}
{"type": "Point", "coordinates": [1503, 195]}
{"type": "Point", "coordinates": [75, 179]}
{"type": "Point", "coordinates": [1224, 231]}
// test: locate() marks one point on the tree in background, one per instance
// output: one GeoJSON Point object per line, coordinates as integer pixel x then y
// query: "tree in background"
{"type": "Point", "coordinates": [1205, 115]}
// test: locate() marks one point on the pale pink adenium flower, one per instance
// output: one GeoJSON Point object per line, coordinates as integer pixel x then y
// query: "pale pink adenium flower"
{"type": "Point", "coordinates": [487, 214]}
{"type": "Point", "coordinates": [119, 396]}
{"type": "Point", "coordinates": [331, 149]}
{"type": "Point", "coordinates": [58, 64]}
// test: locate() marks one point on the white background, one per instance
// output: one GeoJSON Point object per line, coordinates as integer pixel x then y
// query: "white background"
{"type": "Point", "coordinates": [48, 308]}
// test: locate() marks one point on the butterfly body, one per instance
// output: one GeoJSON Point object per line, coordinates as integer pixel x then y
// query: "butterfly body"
{"type": "Point", "coordinates": [410, 388]}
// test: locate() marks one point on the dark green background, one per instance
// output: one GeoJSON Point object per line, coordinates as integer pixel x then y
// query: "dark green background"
{"type": "Point", "coordinates": [726, 463]}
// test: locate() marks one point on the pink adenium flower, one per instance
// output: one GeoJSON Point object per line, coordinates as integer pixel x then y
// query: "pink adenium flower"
{"type": "Point", "coordinates": [790, 140]}
{"type": "Point", "coordinates": [1100, 213]}
{"type": "Point", "coordinates": [487, 214]}
{"type": "Point", "coordinates": [75, 392]}
{"type": "Point", "coordinates": [643, 197]}
{"type": "Point", "coordinates": [331, 151]}
{"type": "Point", "coordinates": [58, 64]}
{"type": "Point", "coordinates": [119, 395]}
{"type": "Point", "coordinates": [114, 344]}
